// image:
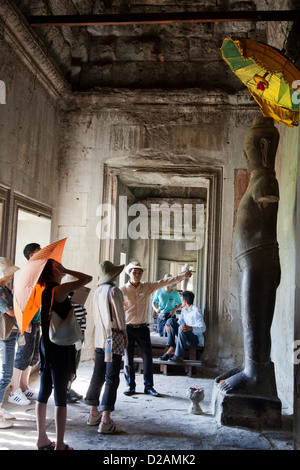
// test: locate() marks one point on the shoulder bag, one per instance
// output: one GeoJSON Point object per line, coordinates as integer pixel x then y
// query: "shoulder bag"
{"type": "Point", "coordinates": [6, 325]}
{"type": "Point", "coordinates": [117, 336]}
{"type": "Point", "coordinates": [64, 332]}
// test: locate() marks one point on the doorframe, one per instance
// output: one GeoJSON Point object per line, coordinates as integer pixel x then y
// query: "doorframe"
{"type": "Point", "coordinates": [213, 233]}
{"type": "Point", "coordinates": [28, 205]}
{"type": "Point", "coordinates": [5, 195]}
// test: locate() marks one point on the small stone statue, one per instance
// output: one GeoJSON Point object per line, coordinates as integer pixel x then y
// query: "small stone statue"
{"type": "Point", "coordinates": [257, 256]}
{"type": "Point", "coordinates": [195, 395]}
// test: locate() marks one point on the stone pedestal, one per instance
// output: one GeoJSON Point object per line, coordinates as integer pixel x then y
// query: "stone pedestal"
{"type": "Point", "coordinates": [246, 410]}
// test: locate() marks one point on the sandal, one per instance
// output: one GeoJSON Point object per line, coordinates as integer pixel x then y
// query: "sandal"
{"type": "Point", "coordinates": [165, 357]}
{"type": "Point", "coordinates": [50, 446]}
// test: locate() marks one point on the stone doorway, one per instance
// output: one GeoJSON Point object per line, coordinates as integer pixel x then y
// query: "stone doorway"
{"type": "Point", "coordinates": [132, 192]}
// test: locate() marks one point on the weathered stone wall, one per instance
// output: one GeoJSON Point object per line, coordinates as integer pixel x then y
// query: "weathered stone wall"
{"type": "Point", "coordinates": [29, 134]}
{"type": "Point", "coordinates": [29, 126]}
{"type": "Point", "coordinates": [283, 321]}
{"type": "Point", "coordinates": [296, 321]}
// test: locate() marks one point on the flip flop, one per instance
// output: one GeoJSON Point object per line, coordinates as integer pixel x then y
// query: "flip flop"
{"type": "Point", "coordinates": [68, 447]}
{"type": "Point", "coordinates": [50, 446]}
{"type": "Point", "coordinates": [165, 357]}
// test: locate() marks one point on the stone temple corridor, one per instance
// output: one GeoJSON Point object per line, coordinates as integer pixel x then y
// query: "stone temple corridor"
{"type": "Point", "coordinates": [123, 130]}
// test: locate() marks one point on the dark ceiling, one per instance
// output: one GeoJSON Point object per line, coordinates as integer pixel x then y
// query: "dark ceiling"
{"type": "Point", "coordinates": [165, 55]}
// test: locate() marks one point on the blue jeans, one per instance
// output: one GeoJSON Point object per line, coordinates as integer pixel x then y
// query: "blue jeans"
{"type": "Point", "coordinates": [162, 322]}
{"type": "Point", "coordinates": [161, 326]}
{"type": "Point", "coordinates": [172, 323]}
{"type": "Point", "coordinates": [108, 373]}
{"type": "Point", "coordinates": [7, 356]}
{"type": "Point", "coordinates": [185, 339]}
{"type": "Point", "coordinates": [28, 353]}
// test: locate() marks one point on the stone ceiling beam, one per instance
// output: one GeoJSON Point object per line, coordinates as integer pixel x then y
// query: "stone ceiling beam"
{"type": "Point", "coordinates": [159, 18]}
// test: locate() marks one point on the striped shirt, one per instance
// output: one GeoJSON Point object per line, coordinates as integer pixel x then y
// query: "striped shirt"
{"type": "Point", "coordinates": [80, 313]}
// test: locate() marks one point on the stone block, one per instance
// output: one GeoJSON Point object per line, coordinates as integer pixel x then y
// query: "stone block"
{"type": "Point", "coordinates": [247, 411]}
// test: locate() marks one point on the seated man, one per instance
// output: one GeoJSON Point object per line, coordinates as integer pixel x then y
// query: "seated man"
{"type": "Point", "coordinates": [165, 302]}
{"type": "Point", "coordinates": [190, 329]}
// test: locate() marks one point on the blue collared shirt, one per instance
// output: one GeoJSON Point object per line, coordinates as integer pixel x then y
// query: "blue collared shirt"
{"type": "Point", "coordinates": [194, 317]}
{"type": "Point", "coordinates": [166, 300]}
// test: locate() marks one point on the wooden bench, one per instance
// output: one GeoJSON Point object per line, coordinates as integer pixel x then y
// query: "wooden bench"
{"type": "Point", "coordinates": [159, 346]}
{"type": "Point", "coordinates": [188, 364]}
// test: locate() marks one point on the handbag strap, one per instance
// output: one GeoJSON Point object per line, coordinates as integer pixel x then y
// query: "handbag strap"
{"type": "Point", "coordinates": [110, 309]}
{"type": "Point", "coordinates": [51, 300]}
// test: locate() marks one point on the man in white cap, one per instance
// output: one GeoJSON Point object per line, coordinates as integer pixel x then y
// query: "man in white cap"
{"type": "Point", "coordinates": [136, 300]}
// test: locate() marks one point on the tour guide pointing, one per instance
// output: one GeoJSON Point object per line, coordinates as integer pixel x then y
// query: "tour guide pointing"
{"type": "Point", "coordinates": [136, 301]}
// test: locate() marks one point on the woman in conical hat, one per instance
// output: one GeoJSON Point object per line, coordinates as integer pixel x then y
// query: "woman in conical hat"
{"type": "Point", "coordinates": [108, 315]}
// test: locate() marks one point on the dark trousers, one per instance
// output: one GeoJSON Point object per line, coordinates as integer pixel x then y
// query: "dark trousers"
{"type": "Point", "coordinates": [141, 336]}
{"type": "Point", "coordinates": [56, 380]}
{"type": "Point", "coordinates": [173, 332]}
{"type": "Point", "coordinates": [108, 373]}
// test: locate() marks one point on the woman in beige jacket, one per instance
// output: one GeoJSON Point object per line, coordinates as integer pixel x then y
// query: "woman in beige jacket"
{"type": "Point", "coordinates": [109, 315]}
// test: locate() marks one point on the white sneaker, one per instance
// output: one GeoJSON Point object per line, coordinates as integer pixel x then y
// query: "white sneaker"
{"type": "Point", "coordinates": [4, 423]}
{"type": "Point", "coordinates": [30, 394]}
{"type": "Point", "coordinates": [18, 398]}
{"type": "Point", "coordinates": [94, 420]}
{"type": "Point", "coordinates": [110, 428]}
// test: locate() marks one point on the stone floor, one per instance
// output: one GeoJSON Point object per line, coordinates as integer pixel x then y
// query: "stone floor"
{"type": "Point", "coordinates": [148, 423]}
